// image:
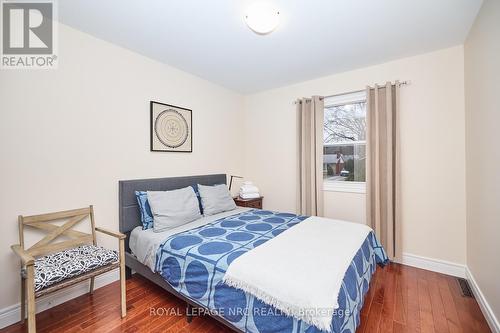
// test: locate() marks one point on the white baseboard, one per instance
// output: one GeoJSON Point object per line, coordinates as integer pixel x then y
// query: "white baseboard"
{"type": "Point", "coordinates": [483, 304]}
{"type": "Point", "coordinates": [435, 265]}
{"type": "Point", "coordinates": [11, 314]}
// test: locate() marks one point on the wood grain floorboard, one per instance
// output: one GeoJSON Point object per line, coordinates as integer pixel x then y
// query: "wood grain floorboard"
{"type": "Point", "coordinates": [413, 321]}
{"type": "Point", "coordinates": [401, 299]}
{"type": "Point", "coordinates": [388, 307]}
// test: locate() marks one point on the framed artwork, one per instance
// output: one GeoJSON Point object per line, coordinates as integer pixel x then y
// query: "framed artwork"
{"type": "Point", "coordinates": [171, 128]}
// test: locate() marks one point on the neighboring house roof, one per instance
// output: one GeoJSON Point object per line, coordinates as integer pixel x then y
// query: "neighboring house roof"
{"type": "Point", "coordinates": [332, 158]}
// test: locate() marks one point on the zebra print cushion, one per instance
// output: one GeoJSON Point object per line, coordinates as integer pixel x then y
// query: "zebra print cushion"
{"type": "Point", "coordinates": [62, 265]}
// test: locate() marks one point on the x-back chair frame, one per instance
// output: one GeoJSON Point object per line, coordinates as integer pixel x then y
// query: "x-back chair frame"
{"type": "Point", "coordinates": [47, 246]}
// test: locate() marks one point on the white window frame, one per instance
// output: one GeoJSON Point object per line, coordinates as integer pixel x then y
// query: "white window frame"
{"type": "Point", "coordinates": [336, 186]}
{"type": "Point", "coordinates": [350, 187]}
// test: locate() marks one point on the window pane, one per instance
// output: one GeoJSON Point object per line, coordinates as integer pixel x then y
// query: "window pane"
{"type": "Point", "coordinates": [344, 162]}
{"type": "Point", "coordinates": [345, 123]}
{"type": "Point", "coordinates": [345, 142]}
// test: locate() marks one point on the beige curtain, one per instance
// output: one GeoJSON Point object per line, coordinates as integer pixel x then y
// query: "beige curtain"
{"type": "Point", "coordinates": [382, 170]}
{"type": "Point", "coordinates": [310, 152]}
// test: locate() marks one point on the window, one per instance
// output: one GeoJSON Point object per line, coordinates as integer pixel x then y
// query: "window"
{"type": "Point", "coordinates": [344, 147]}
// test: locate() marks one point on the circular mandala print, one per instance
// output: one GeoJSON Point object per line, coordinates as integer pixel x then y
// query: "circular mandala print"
{"type": "Point", "coordinates": [171, 128]}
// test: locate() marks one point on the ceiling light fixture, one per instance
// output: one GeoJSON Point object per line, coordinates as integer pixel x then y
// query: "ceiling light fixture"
{"type": "Point", "coordinates": [262, 18]}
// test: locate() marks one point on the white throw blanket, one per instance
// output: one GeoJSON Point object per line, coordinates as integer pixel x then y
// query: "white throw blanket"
{"type": "Point", "coordinates": [300, 271]}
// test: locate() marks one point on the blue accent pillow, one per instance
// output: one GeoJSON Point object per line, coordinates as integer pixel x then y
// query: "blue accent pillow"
{"type": "Point", "coordinates": [198, 196]}
{"type": "Point", "coordinates": [145, 209]}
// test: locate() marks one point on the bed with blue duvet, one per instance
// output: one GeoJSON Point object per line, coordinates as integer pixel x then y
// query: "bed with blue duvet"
{"type": "Point", "coordinates": [195, 258]}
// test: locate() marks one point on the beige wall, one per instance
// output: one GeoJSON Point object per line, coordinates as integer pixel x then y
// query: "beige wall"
{"type": "Point", "coordinates": [68, 135]}
{"type": "Point", "coordinates": [347, 206]}
{"type": "Point", "coordinates": [433, 153]}
{"type": "Point", "coordinates": [482, 87]}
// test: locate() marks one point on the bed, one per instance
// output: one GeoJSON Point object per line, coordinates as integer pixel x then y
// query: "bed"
{"type": "Point", "coordinates": [190, 261]}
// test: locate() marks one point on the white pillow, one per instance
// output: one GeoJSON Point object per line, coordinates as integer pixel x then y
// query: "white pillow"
{"type": "Point", "coordinates": [173, 208]}
{"type": "Point", "coordinates": [215, 199]}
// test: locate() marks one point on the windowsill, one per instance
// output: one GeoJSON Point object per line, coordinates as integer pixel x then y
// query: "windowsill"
{"type": "Point", "coordinates": [351, 187]}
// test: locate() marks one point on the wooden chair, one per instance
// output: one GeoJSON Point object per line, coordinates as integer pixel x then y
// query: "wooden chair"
{"type": "Point", "coordinates": [76, 243]}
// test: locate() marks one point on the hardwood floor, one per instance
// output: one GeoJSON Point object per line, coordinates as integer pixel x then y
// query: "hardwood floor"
{"type": "Point", "coordinates": [400, 299]}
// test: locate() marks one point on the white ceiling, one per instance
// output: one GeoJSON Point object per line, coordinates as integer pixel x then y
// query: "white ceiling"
{"type": "Point", "coordinates": [209, 38]}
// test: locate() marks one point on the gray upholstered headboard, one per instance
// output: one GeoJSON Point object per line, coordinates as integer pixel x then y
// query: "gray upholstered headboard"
{"type": "Point", "coordinates": [129, 210]}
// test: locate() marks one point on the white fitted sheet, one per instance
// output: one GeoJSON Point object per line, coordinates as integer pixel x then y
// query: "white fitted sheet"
{"type": "Point", "coordinates": [145, 243]}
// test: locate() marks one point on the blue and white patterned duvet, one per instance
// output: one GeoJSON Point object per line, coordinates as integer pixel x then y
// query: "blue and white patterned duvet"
{"type": "Point", "coordinates": [194, 263]}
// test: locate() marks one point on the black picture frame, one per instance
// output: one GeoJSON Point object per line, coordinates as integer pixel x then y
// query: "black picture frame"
{"type": "Point", "coordinates": [158, 146]}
